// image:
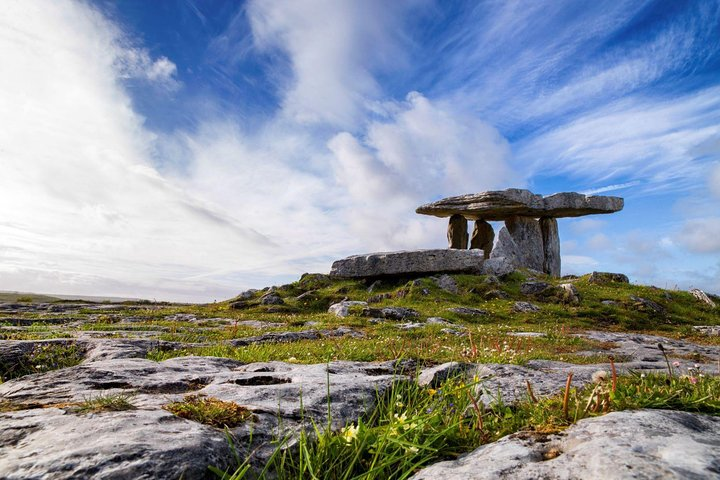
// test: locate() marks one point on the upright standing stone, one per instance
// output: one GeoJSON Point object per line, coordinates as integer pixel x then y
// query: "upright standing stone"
{"type": "Point", "coordinates": [506, 248]}
{"type": "Point", "coordinates": [551, 246]}
{"type": "Point", "coordinates": [525, 232]}
{"type": "Point", "coordinates": [457, 232]}
{"type": "Point", "coordinates": [482, 237]}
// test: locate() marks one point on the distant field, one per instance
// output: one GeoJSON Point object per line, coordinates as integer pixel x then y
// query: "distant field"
{"type": "Point", "coordinates": [42, 298]}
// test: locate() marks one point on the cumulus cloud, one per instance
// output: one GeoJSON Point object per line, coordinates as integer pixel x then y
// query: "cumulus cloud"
{"type": "Point", "coordinates": [701, 235]}
{"type": "Point", "coordinates": [420, 148]}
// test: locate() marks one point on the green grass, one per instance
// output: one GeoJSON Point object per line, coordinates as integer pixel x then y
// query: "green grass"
{"type": "Point", "coordinates": [105, 403]}
{"type": "Point", "coordinates": [43, 358]}
{"type": "Point", "coordinates": [415, 426]}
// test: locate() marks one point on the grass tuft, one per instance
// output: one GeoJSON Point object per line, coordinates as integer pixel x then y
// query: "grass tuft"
{"type": "Point", "coordinates": [210, 411]}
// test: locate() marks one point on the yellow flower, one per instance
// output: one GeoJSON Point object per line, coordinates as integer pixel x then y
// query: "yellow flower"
{"type": "Point", "coordinates": [432, 392]}
{"type": "Point", "coordinates": [349, 433]}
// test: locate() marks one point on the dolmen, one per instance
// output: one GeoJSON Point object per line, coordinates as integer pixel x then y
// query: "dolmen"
{"type": "Point", "coordinates": [529, 238]}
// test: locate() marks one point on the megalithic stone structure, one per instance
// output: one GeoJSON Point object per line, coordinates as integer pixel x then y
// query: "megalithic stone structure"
{"type": "Point", "coordinates": [482, 237]}
{"type": "Point", "coordinates": [530, 237]}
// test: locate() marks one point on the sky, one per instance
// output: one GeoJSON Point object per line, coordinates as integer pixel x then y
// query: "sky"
{"type": "Point", "coordinates": [188, 150]}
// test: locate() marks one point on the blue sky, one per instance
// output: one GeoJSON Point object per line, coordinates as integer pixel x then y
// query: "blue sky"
{"type": "Point", "coordinates": [186, 150]}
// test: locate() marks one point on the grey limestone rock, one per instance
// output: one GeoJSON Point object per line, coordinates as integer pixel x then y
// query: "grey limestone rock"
{"type": "Point", "coordinates": [457, 232]}
{"type": "Point", "coordinates": [415, 262]}
{"type": "Point", "coordinates": [526, 234]}
{"type": "Point", "coordinates": [646, 305]}
{"type": "Point", "coordinates": [607, 277]}
{"type": "Point", "coordinates": [271, 299]}
{"type": "Point", "coordinates": [506, 248]}
{"type": "Point", "coordinates": [501, 204]}
{"type": "Point", "coordinates": [391, 313]}
{"type": "Point", "coordinates": [702, 297]}
{"type": "Point", "coordinates": [482, 237]}
{"type": "Point", "coordinates": [551, 246]}
{"type": "Point", "coordinates": [569, 293]}
{"type": "Point", "coordinates": [641, 444]}
{"type": "Point", "coordinates": [525, 307]}
{"type": "Point", "coordinates": [534, 288]}
{"type": "Point", "coordinates": [148, 442]}
{"type": "Point", "coordinates": [342, 309]}
{"type": "Point", "coordinates": [447, 283]}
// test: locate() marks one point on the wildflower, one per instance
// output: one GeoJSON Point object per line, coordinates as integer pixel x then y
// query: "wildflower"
{"type": "Point", "coordinates": [412, 449]}
{"type": "Point", "coordinates": [432, 392]}
{"type": "Point", "coordinates": [350, 433]}
{"type": "Point", "coordinates": [401, 418]}
{"type": "Point", "coordinates": [676, 364]}
{"type": "Point", "coordinates": [599, 376]}
{"type": "Point", "coordinates": [693, 380]}
{"type": "Point", "coordinates": [642, 375]}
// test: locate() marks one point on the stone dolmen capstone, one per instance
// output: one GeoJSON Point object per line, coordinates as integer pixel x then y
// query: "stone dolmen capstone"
{"type": "Point", "coordinates": [530, 237]}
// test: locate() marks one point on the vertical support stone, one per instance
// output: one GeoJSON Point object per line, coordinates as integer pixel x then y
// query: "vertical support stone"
{"type": "Point", "coordinates": [482, 237]}
{"type": "Point", "coordinates": [551, 246]}
{"type": "Point", "coordinates": [525, 232]}
{"type": "Point", "coordinates": [506, 248]}
{"type": "Point", "coordinates": [457, 232]}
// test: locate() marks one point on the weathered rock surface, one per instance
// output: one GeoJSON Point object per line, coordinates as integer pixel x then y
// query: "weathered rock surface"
{"type": "Point", "coordinates": [467, 311]}
{"type": "Point", "coordinates": [342, 309]}
{"type": "Point", "coordinates": [607, 277]}
{"type": "Point", "coordinates": [569, 292]}
{"type": "Point", "coordinates": [416, 262]}
{"type": "Point", "coordinates": [501, 204]}
{"type": "Point", "coordinates": [527, 236]}
{"type": "Point", "coordinates": [525, 307]}
{"type": "Point", "coordinates": [391, 313]}
{"type": "Point", "coordinates": [482, 237]}
{"type": "Point", "coordinates": [447, 283]}
{"type": "Point", "coordinates": [702, 296]}
{"type": "Point", "coordinates": [457, 233]}
{"type": "Point", "coordinates": [148, 442]}
{"type": "Point", "coordinates": [506, 248]}
{"type": "Point", "coordinates": [551, 246]}
{"type": "Point", "coordinates": [533, 288]}
{"type": "Point", "coordinates": [621, 445]}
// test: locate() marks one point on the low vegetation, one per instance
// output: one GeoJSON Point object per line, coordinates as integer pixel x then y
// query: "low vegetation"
{"type": "Point", "coordinates": [210, 411]}
{"type": "Point", "coordinates": [42, 358]}
{"type": "Point", "coordinates": [416, 426]}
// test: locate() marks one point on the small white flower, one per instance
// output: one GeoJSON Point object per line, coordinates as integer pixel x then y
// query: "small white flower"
{"type": "Point", "coordinates": [599, 376]}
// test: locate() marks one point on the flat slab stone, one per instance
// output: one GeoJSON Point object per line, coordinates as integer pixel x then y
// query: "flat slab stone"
{"type": "Point", "coordinates": [409, 263]}
{"type": "Point", "coordinates": [501, 204]}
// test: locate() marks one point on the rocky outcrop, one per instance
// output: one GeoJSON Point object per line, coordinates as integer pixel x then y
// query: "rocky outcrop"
{"type": "Point", "coordinates": [415, 262]}
{"type": "Point", "coordinates": [457, 233]}
{"type": "Point", "coordinates": [47, 438]}
{"type": "Point", "coordinates": [607, 277]}
{"type": "Point", "coordinates": [629, 444]}
{"type": "Point", "coordinates": [702, 297]}
{"type": "Point", "coordinates": [501, 204]}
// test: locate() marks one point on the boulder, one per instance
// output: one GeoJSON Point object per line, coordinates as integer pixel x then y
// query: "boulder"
{"type": "Point", "coordinates": [569, 293]}
{"type": "Point", "coordinates": [457, 232]}
{"type": "Point", "coordinates": [525, 307]}
{"type": "Point", "coordinates": [607, 277]}
{"type": "Point", "coordinates": [342, 309]}
{"type": "Point", "coordinates": [482, 237]}
{"type": "Point", "coordinates": [502, 204]}
{"type": "Point", "coordinates": [391, 313]}
{"type": "Point", "coordinates": [527, 236]}
{"type": "Point", "coordinates": [551, 246]}
{"type": "Point", "coordinates": [702, 296]}
{"type": "Point", "coordinates": [414, 262]}
{"type": "Point", "coordinates": [628, 444]}
{"type": "Point", "coordinates": [447, 283]}
{"type": "Point", "coordinates": [271, 299]}
{"type": "Point", "coordinates": [534, 288]}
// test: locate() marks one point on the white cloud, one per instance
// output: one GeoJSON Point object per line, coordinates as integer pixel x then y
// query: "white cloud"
{"type": "Point", "coordinates": [585, 225]}
{"type": "Point", "coordinates": [137, 63]}
{"type": "Point", "coordinates": [701, 235]}
{"type": "Point", "coordinates": [334, 48]}
{"type": "Point", "coordinates": [421, 149]}
{"type": "Point", "coordinates": [714, 180]}
{"type": "Point", "coordinates": [80, 198]}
